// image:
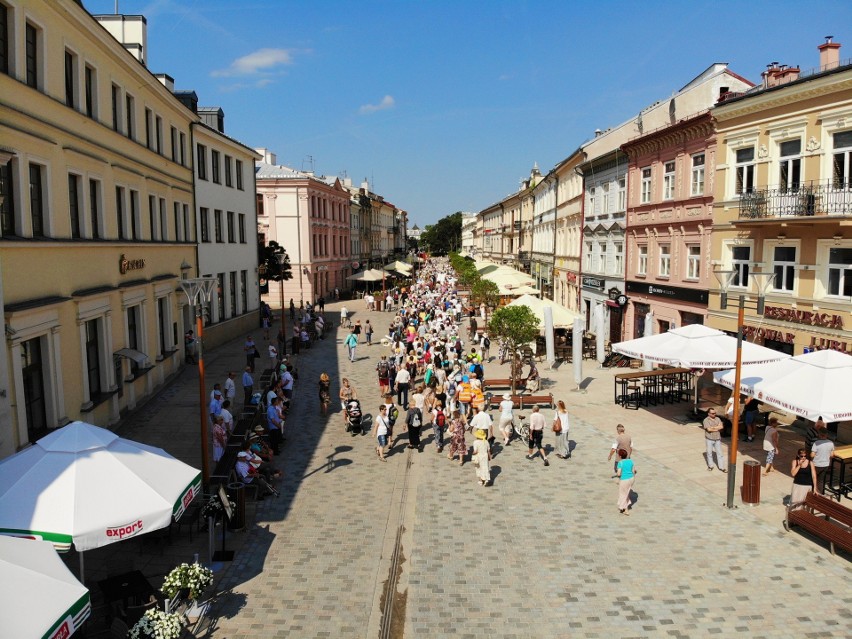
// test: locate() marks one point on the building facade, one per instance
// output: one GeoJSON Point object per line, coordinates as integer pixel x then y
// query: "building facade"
{"type": "Point", "coordinates": [569, 231]}
{"type": "Point", "coordinates": [542, 258]}
{"type": "Point", "coordinates": [97, 226]}
{"type": "Point", "coordinates": [783, 205]}
{"type": "Point", "coordinates": [309, 216]}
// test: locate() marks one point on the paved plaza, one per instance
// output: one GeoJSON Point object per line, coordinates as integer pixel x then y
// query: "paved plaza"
{"type": "Point", "coordinates": [416, 548]}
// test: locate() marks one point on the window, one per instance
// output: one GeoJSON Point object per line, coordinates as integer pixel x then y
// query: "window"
{"type": "Point", "coordinates": [204, 213]}
{"type": "Point", "coordinates": [74, 204]}
{"type": "Point", "coordinates": [95, 208]}
{"type": "Point", "coordinates": [790, 170]}
{"type": "Point", "coordinates": [116, 106]}
{"type": "Point", "coordinates": [840, 272]}
{"type": "Point", "coordinates": [693, 261]}
{"type": "Point", "coordinates": [149, 121]}
{"type": "Point", "coordinates": [244, 290]}
{"type": "Point", "coordinates": [239, 172]}
{"type": "Point", "coordinates": [665, 260]}
{"type": "Point", "coordinates": [32, 374]}
{"type": "Point", "coordinates": [91, 91]}
{"type": "Point", "coordinates": [7, 200]}
{"type": "Point", "coordinates": [618, 266]}
{"type": "Point", "coordinates": [32, 56]}
{"type": "Point", "coordinates": [220, 296]}
{"type": "Point", "coordinates": [242, 227]}
{"type": "Point", "coordinates": [4, 39]}
{"type": "Point", "coordinates": [152, 215]}
{"type": "Point", "coordinates": [600, 258]}
{"type": "Point", "coordinates": [592, 200]}
{"type": "Point", "coordinates": [214, 161]}
{"type": "Point", "coordinates": [646, 186]}
{"type": "Point", "coordinates": [158, 134]}
{"type": "Point", "coordinates": [669, 181]}
{"type": "Point", "coordinates": [784, 267]}
{"type": "Point", "coordinates": [164, 223]}
{"type": "Point", "coordinates": [134, 329]}
{"type": "Point", "coordinates": [93, 359]}
{"type": "Point", "coordinates": [178, 225]}
{"type": "Point", "coordinates": [119, 210]}
{"type": "Point", "coordinates": [70, 79]}
{"type": "Point", "coordinates": [745, 170]}
{"type": "Point", "coordinates": [38, 202]}
{"type": "Point", "coordinates": [697, 181]}
{"type": "Point", "coordinates": [217, 225]}
{"type": "Point", "coordinates": [162, 325]}
{"type": "Point", "coordinates": [231, 234]}
{"type": "Point", "coordinates": [642, 260]}
{"type": "Point", "coordinates": [174, 141]}
{"type": "Point", "coordinates": [186, 234]}
{"type": "Point", "coordinates": [740, 262]}
{"type": "Point", "coordinates": [841, 173]}
{"type": "Point", "coordinates": [130, 116]}
{"type": "Point", "coordinates": [202, 161]}
{"type": "Point", "coordinates": [622, 195]}
{"type": "Point", "coordinates": [232, 294]}
{"type": "Point", "coordinates": [606, 199]}
{"type": "Point", "coordinates": [182, 149]}
{"type": "Point", "coordinates": [135, 221]}
{"type": "Point", "coordinates": [228, 170]}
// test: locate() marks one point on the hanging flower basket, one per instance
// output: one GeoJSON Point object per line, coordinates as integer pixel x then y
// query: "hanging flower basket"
{"type": "Point", "coordinates": [156, 624]}
{"type": "Point", "coordinates": [193, 577]}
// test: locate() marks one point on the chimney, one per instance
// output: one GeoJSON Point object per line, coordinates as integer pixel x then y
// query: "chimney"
{"type": "Point", "coordinates": [130, 31]}
{"type": "Point", "coordinates": [267, 155]}
{"type": "Point", "coordinates": [365, 186]}
{"type": "Point", "coordinates": [829, 54]}
{"type": "Point", "coordinates": [166, 80]}
{"type": "Point", "coordinates": [598, 133]}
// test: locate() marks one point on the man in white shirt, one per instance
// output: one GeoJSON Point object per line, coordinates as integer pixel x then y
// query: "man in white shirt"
{"type": "Point", "coordinates": [227, 417]}
{"type": "Point", "coordinates": [403, 377]}
{"type": "Point", "coordinates": [482, 421]}
{"type": "Point", "coordinates": [287, 383]}
{"type": "Point", "coordinates": [537, 424]}
{"type": "Point", "coordinates": [822, 451]}
{"type": "Point", "coordinates": [230, 387]}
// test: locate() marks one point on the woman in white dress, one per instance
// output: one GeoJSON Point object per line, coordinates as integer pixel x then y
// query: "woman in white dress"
{"type": "Point", "coordinates": [560, 421]}
{"type": "Point", "coordinates": [481, 457]}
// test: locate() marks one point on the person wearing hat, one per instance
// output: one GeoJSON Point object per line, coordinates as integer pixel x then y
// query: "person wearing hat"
{"type": "Point", "coordinates": [215, 409]}
{"type": "Point", "coordinates": [259, 446]}
{"type": "Point", "coordinates": [481, 456]}
{"type": "Point", "coordinates": [537, 424]}
{"type": "Point", "coordinates": [248, 473]}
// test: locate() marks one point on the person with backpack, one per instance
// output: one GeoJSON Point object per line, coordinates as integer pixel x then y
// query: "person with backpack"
{"type": "Point", "coordinates": [392, 413]}
{"type": "Point", "coordinates": [413, 422]}
{"type": "Point", "coordinates": [383, 370]}
{"type": "Point", "coordinates": [368, 333]}
{"type": "Point", "coordinates": [486, 348]}
{"type": "Point", "coordinates": [439, 424]}
{"type": "Point", "coordinates": [381, 430]}
{"type": "Point", "coordinates": [351, 343]}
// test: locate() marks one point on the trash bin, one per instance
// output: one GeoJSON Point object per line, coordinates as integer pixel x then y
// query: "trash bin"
{"type": "Point", "coordinates": [751, 483]}
{"type": "Point", "coordinates": [379, 303]}
{"type": "Point", "coordinates": [237, 494]}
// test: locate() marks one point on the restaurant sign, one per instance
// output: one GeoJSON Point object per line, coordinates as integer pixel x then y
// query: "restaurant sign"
{"type": "Point", "coordinates": [803, 317]}
{"type": "Point", "coordinates": [125, 265]}
{"type": "Point", "coordinates": [679, 293]}
{"type": "Point", "coordinates": [593, 282]}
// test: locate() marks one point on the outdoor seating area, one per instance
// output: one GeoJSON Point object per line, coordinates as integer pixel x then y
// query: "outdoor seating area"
{"type": "Point", "coordinates": [650, 388]}
{"type": "Point", "coordinates": [823, 518]}
{"type": "Point", "coordinates": [525, 401]}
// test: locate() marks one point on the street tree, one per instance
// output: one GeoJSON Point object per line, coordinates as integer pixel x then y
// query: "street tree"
{"type": "Point", "coordinates": [516, 326]}
{"type": "Point", "coordinates": [270, 266]}
{"type": "Point", "coordinates": [485, 292]}
{"type": "Point", "coordinates": [443, 236]}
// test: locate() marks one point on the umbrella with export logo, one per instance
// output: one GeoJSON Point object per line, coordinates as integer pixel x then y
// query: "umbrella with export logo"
{"type": "Point", "coordinates": [62, 604]}
{"type": "Point", "coordinates": [86, 486]}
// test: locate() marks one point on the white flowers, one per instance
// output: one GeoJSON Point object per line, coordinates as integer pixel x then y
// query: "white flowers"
{"type": "Point", "coordinates": [194, 577]}
{"type": "Point", "coordinates": [156, 624]}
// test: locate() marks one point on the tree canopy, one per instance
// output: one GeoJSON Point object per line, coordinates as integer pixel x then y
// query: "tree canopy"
{"type": "Point", "coordinates": [516, 326]}
{"type": "Point", "coordinates": [443, 236]}
{"type": "Point", "coordinates": [269, 265]}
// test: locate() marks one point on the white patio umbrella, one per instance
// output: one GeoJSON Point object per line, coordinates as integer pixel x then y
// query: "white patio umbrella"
{"type": "Point", "coordinates": [695, 346]}
{"type": "Point", "coordinates": [86, 486]}
{"type": "Point", "coordinates": [370, 275]}
{"type": "Point", "coordinates": [39, 597]}
{"type": "Point", "coordinates": [562, 317]}
{"type": "Point", "coordinates": [809, 385]}
{"type": "Point", "coordinates": [600, 338]}
{"type": "Point", "coordinates": [517, 291]}
{"type": "Point", "coordinates": [399, 267]}
{"type": "Point", "coordinates": [649, 330]}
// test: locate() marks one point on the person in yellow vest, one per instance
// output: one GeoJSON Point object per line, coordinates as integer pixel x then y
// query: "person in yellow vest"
{"type": "Point", "coordinates": [464, 395]}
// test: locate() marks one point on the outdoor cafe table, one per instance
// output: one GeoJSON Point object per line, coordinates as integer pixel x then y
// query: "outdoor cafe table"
{"type": "Point", "coordinates": [129, 586]}
{"type": "Point", "coordinates": [622, 380]}
{"type": "Point", "coordinates": [838, 484]}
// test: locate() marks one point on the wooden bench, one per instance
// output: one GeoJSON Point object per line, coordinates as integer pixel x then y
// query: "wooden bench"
{"type": "Point", "coordinates": [525, 401]}
{"type": "Point", "coordinates": [492, 384]}
{"type": "Point", "coordinates": [824, 518]}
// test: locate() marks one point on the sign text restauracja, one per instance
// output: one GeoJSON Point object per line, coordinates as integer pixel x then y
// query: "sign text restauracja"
{"type": "Point", "coordinates": [804, 317]}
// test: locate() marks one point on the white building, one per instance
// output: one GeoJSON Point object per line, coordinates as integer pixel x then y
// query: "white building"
{"type": "Point", "coordinates": [468, 235]}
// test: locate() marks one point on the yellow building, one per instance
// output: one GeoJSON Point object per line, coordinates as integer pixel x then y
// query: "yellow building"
{"type": "Point", "coordinates": [97, 225]}
{"type": "Point", "coordinates": [783, 205]}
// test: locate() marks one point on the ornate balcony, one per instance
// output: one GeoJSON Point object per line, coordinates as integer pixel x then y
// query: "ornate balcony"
{"type": "Point", "coordinates": [809, 200]}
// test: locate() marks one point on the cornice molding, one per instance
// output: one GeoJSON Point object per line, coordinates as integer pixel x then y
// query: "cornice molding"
{"type": "Point", "coordinates": [772, 99]}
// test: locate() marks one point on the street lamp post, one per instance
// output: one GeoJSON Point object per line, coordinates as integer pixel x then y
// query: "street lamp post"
{"type": "Point", "coordinates": [198, 291]}
{"type": "Point", "coordinates": [281, 257]}
{"type": "Point", "coordinates": [763, 281]}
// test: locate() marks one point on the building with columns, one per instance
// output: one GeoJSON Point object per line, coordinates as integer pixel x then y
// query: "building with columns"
{"type": "Point", "coordinates": [309, 216]}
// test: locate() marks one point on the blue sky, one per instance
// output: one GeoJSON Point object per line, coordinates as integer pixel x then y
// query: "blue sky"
{"type": "Point", "coordinates": [445, 106]}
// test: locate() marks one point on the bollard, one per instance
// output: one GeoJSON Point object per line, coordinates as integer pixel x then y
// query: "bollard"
{"type": "Point", "coordinates": [751, 483]}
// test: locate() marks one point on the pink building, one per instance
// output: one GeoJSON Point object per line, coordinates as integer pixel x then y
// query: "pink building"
{"type": "Point", "coordinates": [669, 221]}
{"type": "Point", "coordinates": [309, 216]}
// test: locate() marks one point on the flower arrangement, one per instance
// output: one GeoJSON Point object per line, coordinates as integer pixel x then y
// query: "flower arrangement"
{"type": "Point", "coordinates": [156, 624]}
{"type": "Point", "coordinates": [194, 577]}
{"type": "Point", "coordinates": [213, 508]}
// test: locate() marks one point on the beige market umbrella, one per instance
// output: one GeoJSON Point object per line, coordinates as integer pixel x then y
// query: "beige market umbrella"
{"type": "Point", "coordinates": [562, 317]}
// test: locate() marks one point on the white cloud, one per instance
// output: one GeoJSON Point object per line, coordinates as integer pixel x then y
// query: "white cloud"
{"type": "Point", "coordinates": [260, 61]}
{"type": "Point", "coordinates": [387, 103]}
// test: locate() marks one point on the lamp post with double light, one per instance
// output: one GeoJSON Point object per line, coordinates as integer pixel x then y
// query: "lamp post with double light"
{"type": "Point", "coordinates": [198, 291]}
{"type": "Point", "coordinates": [726, 279]}
{"type": "Point", "coordinates": [281, 258]}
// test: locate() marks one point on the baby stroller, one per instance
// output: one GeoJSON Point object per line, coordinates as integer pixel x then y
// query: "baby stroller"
{"type": "Point", "coordinates": [353, 417]}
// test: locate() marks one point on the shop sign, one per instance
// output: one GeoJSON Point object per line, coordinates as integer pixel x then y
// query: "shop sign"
{"type": "Point", "coordinates": [571, 277]}
{"type": "Point", "coordinates": [613, 293]}
{"type": "Point", "coordinates": [125, 265]}
{"type": "Point", "coordinates": [803, 317]}
{"type": "Point", "coordinates": [695, 295]}
{"type": "Point", "coordinates": [593, 282]}
{"type": "Point", "coordinates": [751, 333]}
{"type": "Point", "coordinates": [820, 343]}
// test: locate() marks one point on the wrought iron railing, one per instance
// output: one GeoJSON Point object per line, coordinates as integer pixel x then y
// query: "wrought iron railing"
{"type": "Point", "coordinates": [806, 200]}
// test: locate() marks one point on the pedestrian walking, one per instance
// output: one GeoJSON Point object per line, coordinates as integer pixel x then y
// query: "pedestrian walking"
{"type": "Point", "coordinates": [506, 418]}
{"type": "Point", "coordinates": [481, 457]}
{"type": "Point", "coordinates": [292, 311]}
{"type": "Point", "coordinates": [537, 424]}
{"type": "Point", "coordinates": [751, 409]}
{"type": "Point", "coordinates": [321, 304]}
{"type": "Point", "coordinates": [403, 379]}
{"type": "Point", "coordinates": [770, 443]}
{"type": "Point", "coordinates": [230, 387]}
{"type": "Point", "coordinates": [324, 393]}
{"type": "Point", "coordinates": [248, 386]}
{"type": "Point", "coordinates": [804, 478]}
{"type": "Point", "coordinates": [251, 352]}
{"type": "Point", "coordinates": [351, 343]}
{"type": "Point", "coordinates": [413, 423]}
{"type": "Point", "coordinates": [380, 431]}
{"type": "Point", "coordinates": [560, 429]}
{"type": "Point", "coordinates": [273, 356]}
{"type": "Point", "coordinates": [458, 446]}
{"type": "Point", "coordinates": [347, 394]}
{"type": "Point", "coordinates": [189, 347]}
{"type": "Point", "coordinates": [822, 451]}
{"type": "Point", "coordinates": [439, 425]}
{"type": "Point", "coordinates": [383, 369]}
{"type": "Point", "coordinates": [623, 441]}
{"type": "Point", "coordinates": [713, 440]}
{"type": "Point", "coordinates": [626, 472]}
{"type": "Point", "coordinates": [368, 332]}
